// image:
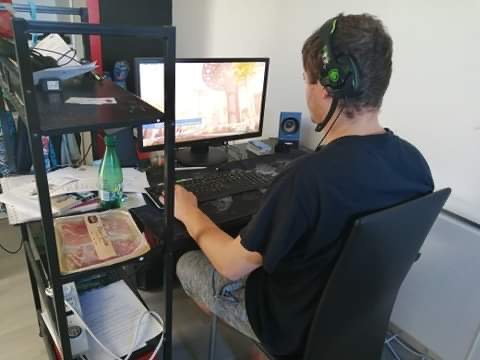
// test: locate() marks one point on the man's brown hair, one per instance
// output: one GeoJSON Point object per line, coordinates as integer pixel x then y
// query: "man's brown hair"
{"type": "Point", "coordinates": [364, 38]}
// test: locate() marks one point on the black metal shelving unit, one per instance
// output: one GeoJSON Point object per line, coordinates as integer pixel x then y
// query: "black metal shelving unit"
{"type": "Point", "coordinates": [48, 114]}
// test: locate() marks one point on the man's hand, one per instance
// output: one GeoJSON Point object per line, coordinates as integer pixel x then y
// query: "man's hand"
{"type": "Point", "coordinates": [185, 203]}
{"type": "Point", "coordinates": [226, 254]}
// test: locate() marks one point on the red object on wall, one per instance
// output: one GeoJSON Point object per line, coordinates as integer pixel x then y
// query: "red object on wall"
{"type": "Point", "coordinates": [142, 155]}
{"type": "Point", "coordinates": [6, 21]}
{"type": "Point", "coordinates": [95, 40]}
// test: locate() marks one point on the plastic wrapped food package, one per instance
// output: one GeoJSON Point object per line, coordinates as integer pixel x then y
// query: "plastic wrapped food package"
{"type": "Point", "coordinates": [97, 239]}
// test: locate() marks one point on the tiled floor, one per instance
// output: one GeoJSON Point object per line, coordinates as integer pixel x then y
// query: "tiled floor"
{"type": "Point", "coordinates": [19, 331]}
{"type": "Point", "coordinates": [18, 325]}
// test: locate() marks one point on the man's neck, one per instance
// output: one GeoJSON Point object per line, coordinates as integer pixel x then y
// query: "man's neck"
{"type": "Point", "coordinates": [362, 124]}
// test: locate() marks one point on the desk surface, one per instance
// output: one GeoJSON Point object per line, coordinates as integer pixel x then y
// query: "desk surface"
{"type": "Point", "coordinates": [230, 213]}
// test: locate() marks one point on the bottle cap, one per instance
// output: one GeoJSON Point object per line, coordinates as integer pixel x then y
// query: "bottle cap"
{"type": "Point", "coordinates": [110, 140]}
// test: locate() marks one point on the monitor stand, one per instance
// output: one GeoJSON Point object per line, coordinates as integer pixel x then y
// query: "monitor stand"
{"type": "Point", "coordinates": [201, 155]}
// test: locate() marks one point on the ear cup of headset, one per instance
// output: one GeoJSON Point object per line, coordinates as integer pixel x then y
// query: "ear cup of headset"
{"type": "Point", "coordinates": [347, 85]}
{"type": "Point", "coordinates": [339, 74]}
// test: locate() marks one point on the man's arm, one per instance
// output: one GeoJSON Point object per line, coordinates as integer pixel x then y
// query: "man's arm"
{"type": "Point", "coordinates": [226, 254]}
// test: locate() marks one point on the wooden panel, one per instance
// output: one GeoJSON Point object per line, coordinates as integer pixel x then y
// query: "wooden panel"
{"type": "Point", "coordinates": [138, 12]}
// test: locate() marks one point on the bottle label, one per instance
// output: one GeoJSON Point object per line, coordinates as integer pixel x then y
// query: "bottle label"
{"type": "Point", "coordinates": [114, 195]}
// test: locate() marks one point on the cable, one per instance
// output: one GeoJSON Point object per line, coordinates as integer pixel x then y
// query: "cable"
{"type": "Point", "coordinates": [66, 53]}
{"type": "Point", "coordinates": [411, 351]}
{"type": "Point", "coordinates": [134, 340]}
{"type": "Point", "coordinates": [82, 141]}
{"type": "Point", "coordinates": [397, 340]}
{"type": "Point", "coordinates": [82, 160]}
{"type": "Point", "coordinates": [331, 127]}
{"type": "Point", "coordinates": [72, 58]}
{"type": "Point", "coordinates": [392, 351]}
{"type": "Point", "coordinates": [62, 55]}
{"type": "Point", "coordinates": [12, 252]}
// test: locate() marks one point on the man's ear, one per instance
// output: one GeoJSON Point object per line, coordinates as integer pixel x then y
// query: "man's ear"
{"type": "Point", "coordinates": [323, 91]}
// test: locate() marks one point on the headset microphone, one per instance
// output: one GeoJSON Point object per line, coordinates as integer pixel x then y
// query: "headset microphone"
{"type": "Point", "coordinates": [333, 107]}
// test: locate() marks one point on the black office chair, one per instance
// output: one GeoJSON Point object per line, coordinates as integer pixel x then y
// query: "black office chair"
{"type": "Point", "coordinates": [353, 314]}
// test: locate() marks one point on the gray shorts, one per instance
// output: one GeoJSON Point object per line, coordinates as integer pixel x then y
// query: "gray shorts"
{"type": "Point", "coordinates": [206, 286]}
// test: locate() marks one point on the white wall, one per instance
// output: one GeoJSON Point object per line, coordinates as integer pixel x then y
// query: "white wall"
{"type": "Point", "coordinates": [232, 29]}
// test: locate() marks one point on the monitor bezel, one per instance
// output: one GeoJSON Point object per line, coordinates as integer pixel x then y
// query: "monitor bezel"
{"type": "Point", "coordinates": [214, 140]}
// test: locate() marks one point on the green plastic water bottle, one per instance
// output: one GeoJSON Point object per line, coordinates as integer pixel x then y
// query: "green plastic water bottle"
{"type": "Point", "coordinates": [110, 182]}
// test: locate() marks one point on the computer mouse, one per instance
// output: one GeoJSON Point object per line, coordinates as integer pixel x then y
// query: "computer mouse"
{"type": "Point", "coordinates": [265, 169]}
{"type": "Point", "coordinates": [222, 204]}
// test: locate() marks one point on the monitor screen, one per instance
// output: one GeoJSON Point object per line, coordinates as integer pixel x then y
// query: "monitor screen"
{"type": "Point", "coordinates": [216, 99]}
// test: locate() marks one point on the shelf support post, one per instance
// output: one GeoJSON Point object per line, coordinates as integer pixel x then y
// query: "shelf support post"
{"type": "Point", "coordinates": [169, 176]}
{"type": "Point", "coordinates": [36, 149]}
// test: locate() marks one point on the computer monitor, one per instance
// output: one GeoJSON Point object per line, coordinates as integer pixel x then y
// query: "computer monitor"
{"type": "Point", "coordinates": [217, 100]}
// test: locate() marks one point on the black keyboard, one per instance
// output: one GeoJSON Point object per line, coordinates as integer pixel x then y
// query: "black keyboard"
{"type": "Point", "coordinates": [217, 185]}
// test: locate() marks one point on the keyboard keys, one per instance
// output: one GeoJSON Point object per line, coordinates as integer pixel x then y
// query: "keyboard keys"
{"type": "Point", "coordinates": [219, 185]}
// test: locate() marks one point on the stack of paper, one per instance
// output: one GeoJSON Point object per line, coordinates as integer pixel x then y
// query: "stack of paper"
{"type": "Point", "coordinates": [21, 199]}
{"type": "Point", "coordinates": [112, 313]}
{"type": "Point", "coordinates": [68, 62]}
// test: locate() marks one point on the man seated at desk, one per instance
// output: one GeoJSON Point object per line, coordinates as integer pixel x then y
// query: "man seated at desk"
{"type": "Point", "coordinates": [267, 281]}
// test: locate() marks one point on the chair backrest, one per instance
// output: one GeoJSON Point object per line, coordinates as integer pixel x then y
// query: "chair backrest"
{"type": "Point", "coordinates": [353, 314]}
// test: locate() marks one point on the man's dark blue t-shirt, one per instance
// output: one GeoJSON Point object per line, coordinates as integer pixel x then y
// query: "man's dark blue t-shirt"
{"type": "Point", "coordinates": [307, 213]}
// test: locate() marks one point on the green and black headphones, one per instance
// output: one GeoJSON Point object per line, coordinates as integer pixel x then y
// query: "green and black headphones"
{"type": "Point", "coordinates": [339, 74]}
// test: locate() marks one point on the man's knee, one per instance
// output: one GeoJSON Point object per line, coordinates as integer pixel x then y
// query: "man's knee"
{"type": "Point", "coordinates": [191, 269]}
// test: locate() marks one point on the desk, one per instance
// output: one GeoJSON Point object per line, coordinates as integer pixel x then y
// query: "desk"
{"type": "Point", "coordinates": [230, 214]}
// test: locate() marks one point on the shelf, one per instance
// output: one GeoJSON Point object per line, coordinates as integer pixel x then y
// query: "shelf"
{"type": "Point", "coordinates": [65, 278]}
{"type": "Point", "coordinates": [57, 117]}
{"type": "Point", "coordinates": [51, 339]}
{"type": "Point", "coordinates": [41, 260]}
{"type": "Point", "coordinates": [50, 114]}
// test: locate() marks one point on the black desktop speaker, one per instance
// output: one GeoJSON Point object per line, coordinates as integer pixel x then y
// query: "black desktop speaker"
{"type": "Point", "coordinates": [288, 131]}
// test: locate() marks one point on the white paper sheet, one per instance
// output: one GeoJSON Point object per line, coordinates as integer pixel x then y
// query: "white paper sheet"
{"type": "Point", "coordinates": [112, 313]}
{"type": "Point", "coordinates": [8, 183]}
{"type": "Point", "coordinates": [134, 200]}
{"type": "Point", "coordinates": [54, 46]}
{"type": "Point", "coordinates": [63, 72]}
{"type": "Point", "coordinates": [91, 101]}
{"type": "Point", "coordinates": [22, 207]}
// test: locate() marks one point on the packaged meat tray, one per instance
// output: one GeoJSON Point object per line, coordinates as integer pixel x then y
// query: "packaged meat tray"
{"type": "Point", "coordinates": [94, 240]}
